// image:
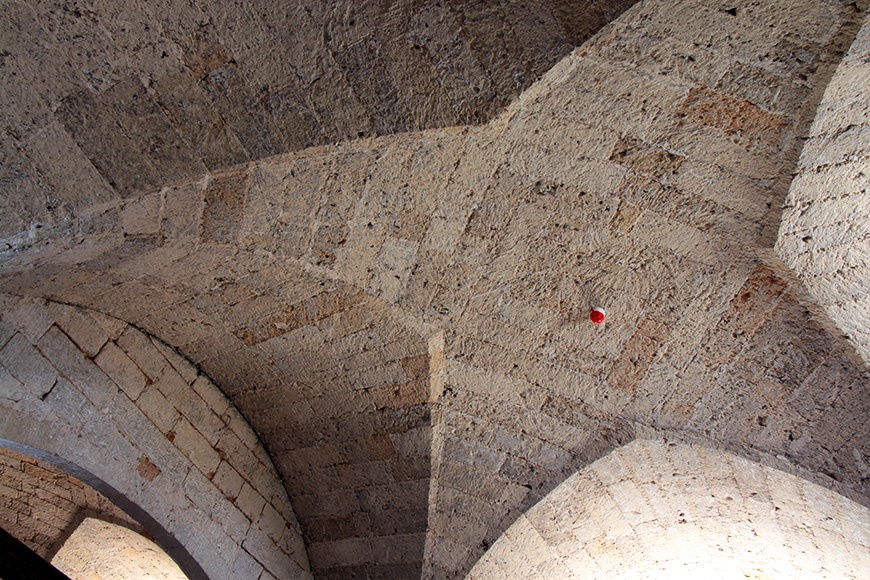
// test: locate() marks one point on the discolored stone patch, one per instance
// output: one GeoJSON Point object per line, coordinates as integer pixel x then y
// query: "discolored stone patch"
{"type": "Point", "coordinates": [741, 119]}
{"type": "Point", "coordinates": [203, 52]}
{"type": "Point", "coordinates": [147, 470]}
{"type": "Point", "coordinates": [304, 313]}
{"type": "Point", "coordinates": [749, 310]}
{"type": "Point", "coordinates": [625, 218]}
{"type": "Point", "coordinates": [402, 395]}
{"type": "Point", "coordinates": [637, 355]}
{"type": "Point", "coordinates": [756, 298]}
{"type": "Point", "coordinates": [223, 202]}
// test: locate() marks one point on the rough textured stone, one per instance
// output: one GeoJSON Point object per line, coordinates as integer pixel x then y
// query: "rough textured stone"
{"type": "Point", "coordinates": [41, 505]}
{"type": "Point", "coordinates": [823, 235]}
{"type": "Point", "coordinates": [653, 518]}
{"type": "Point", "coordinates": [144, 442]}
{"type": "Point", "coordinates": [109, 550]}
{"type": "Point", "coordinates": [223, 200]}
{"type": "Point", "coordinates": [147, 93]}
{"type": "Point", "coordinates": [402, 319]}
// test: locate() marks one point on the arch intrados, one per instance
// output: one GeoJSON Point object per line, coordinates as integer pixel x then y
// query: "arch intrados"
{"type": "Point", "coordinates": [156, 532]}
{"type": "Point", "coordinates": [548, 537]}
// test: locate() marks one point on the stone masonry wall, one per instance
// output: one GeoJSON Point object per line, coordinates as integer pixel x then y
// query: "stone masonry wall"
{"type": "Point", "coordinates": [825, 231]}
{"type": "Point", "coordinates": [657, 509]}
{"type": "Point", "coordinates": [41, 505]}
{"type": "Point", "coordinates": [335, 383]}
{"type": "Point", "coordinates": [106, 99]}
{"type": "Point", "coordinates": [129, 410]}
{"type": "Point", "coordinates": [644, 174]}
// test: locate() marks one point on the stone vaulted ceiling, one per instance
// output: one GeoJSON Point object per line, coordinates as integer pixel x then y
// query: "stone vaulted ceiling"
{"type": "Point", "coordinates": [103, 99]}
{"type": "Point", "coordinates": [345, 216]}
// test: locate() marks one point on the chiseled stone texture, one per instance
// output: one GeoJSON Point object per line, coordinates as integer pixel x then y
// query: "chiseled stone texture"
{"type": "Point", "coordinates": [825, 231]}
{"type": "Point", "coordinates": [404, 319]}
{"type": "Point", "coordinates": [111, 99]}
{"type": "Point", "coordinates": [41, 506]}
{"type": "Point", "coordinates": [657, 509]}
{"type": "Point", "coordinates": [100, 549]}
{"type": "Point", "coordinates": [136, 415]}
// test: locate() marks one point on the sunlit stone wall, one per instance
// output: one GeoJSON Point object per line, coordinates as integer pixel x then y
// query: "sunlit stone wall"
{"type": "Point", "coordinates": [655, 509]}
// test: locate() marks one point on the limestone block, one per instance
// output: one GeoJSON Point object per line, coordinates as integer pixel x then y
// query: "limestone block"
{"type": "Point", "coordinates": [228, 480]}
{"type": "Point", "coordinates": [191, 110]}
{"type": "Point", "coordinates": [246, 567]}
{"type": "Point", "coordinates": [250, 502]}
{"type": "Point", "coordinates": [114, 154]}
{"type": "Point", "coordinates": [157, 408]}
{"type": "Point", "coordinates": [223, 203]}
{"type": "Point", "coordinates": [252, 124]}
{"type": "Point", "coordinates": [28, 316]}
{"type": "Point", "coordinates": [69, 402]}
{"type": "Point", "coordinates": [76, 367]}
{"type": "Point", "coordinates": [26, 363]}
{"type": "Point", "coordinates": [143, 352]}
{"type": "Point", "coordinates": [190, 442]}
{"type": "Point", "coordinates": [184, 367]}
{"type": "Point", "coordinates": [74, 178]}
{"type": "Point", "coordinates": [10, 387]}
{"type": "Point", "coordinates": [121, 369]}
{"type": "Point", "coordinates": [141, 216]}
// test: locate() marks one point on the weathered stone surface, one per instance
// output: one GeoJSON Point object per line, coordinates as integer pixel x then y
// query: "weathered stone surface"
{"type": "Point", "coordinates": [223, 202]}
{"type": "Point", "coordinates": [651, 520]}
{"type": "Point", "coordinates": [741, 119]}
{"type": "Point", "coordinates": [146, 439]}
{"type": "Point", "coordinates": [116, 156]}
{"type": "Point", "coordinates": [193, 114]}
{"type": "Point", "coordinates": [42, 505]}
{"type": "Point", "coordinates": [824, 228]}
{"type": "Point", "coordinates": [403, 319]}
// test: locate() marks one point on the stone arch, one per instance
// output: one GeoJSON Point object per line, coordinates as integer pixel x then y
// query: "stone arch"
{"type": "Point", "coordinates": [336, 387]}
{"type": "Point", "coordinates": [655, 508]}
{"type": "Point", "coordinates": [825, 231]}
{"type": "Point", "coordinates": [127, 414]}
{"type": "Point", "coordinates": [42, 505]}
{"type": "Point", "coordinates": [680, 136]}
{"type": "Point", "coordinates": [46, 499]}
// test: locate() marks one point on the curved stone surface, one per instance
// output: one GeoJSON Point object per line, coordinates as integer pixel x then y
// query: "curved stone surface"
{"type": "Point", "coordinates": [41, 505]}
{"type": "Point", "coordinates": [825, 231]}
{"type": "Point", "coordinates": [428, 293]}
{"type": "Point", "coordinates": [659, 509]}
{"type": "Point", "coordinates": [132, 418]}
{"type": "Point", "coordinates": [103, 100]}
{"type": "Point", "coordinates": [99, 549]}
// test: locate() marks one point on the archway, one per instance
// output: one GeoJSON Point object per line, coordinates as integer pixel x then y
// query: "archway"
{"type": "Point", "coordinates": [123, 412]}
{"type": "Point", "coordinates": [659, 509]}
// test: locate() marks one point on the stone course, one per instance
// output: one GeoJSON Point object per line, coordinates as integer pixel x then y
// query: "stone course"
{"type": "Point", "coordinates": [659, 507]}
{"type": "Point", "coordinates": [41, 505]}
{"type": "Point", "coordinates": [403, 320]}
{"type": "Point", "coordinates": [122, 412]}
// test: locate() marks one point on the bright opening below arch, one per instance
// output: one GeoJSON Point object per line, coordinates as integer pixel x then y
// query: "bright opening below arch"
{"type": "Point", "coordinates": [99, 550]}
{"type": "Point", "coordinates": [659, 510]}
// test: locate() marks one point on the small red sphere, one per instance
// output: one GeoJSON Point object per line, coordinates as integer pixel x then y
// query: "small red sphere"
{"type": "Point", "coordinates": [597, 315]}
